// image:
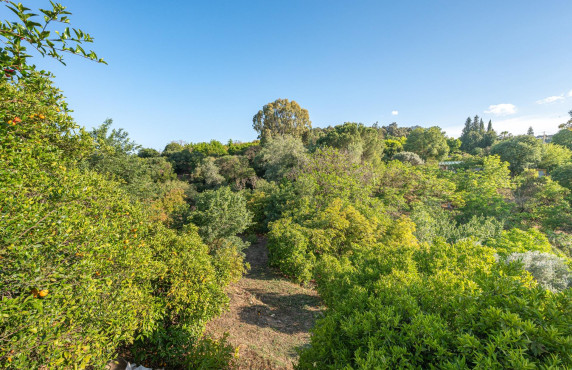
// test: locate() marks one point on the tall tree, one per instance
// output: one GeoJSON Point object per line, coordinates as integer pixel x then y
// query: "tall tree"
{"type": "Point", "coordinates": [359, 141]}
{"type": "Point", "coordinates": [429, 143]}
{"type": "Point", "coordinates": [471, 137]}
{"type": "Point", "coordinates": [567, 125]}
{"type": "Point", "coordinates": [489, 137]}
{"type": "Point", "coordinates": [475, 124]}
{"type": "Point", "coordinates": [521, 152]}
{"type": "Point", "coordinates": [530, 131]}
{"type": "Point", "coordinates": [490, 126]}
{"type": "Point", "coordinates": [564, 138]}
{"type": "Point", "coordinates": [281, 117]}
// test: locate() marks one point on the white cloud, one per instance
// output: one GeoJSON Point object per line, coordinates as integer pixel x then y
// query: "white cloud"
{"type": "Point", "coordinates": [519, 125]}
{"type": "Point", "coordinates": [570, 94]}
{"type": "Point", "coordinates": [552, 99]}
{"type": "Point", "coordinates": [502, 109]}
{"type": "Point", "coordinates": [396, 112]}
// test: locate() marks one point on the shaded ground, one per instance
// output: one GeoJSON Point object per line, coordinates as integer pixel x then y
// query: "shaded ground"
{"type": "Point", "coordinates": [269, 318]}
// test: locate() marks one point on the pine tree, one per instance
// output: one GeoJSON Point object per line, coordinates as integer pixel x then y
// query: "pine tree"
{"type": "Point", "coordinates": [530, 131]}
{"type": "Point", "coordinates": [481, 127]}
{"type": "Point", "coordinates": [467, 127]}
{"type": "Point", "coordinates": [475, 125]}
{"type": "Point", "coordinates": [489, 137]}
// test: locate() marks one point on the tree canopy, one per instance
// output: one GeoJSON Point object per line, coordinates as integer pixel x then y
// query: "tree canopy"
{"type": "Point", "coordinates": [429, 143]}
{"type": "Point", "coordinates": [282, 117]}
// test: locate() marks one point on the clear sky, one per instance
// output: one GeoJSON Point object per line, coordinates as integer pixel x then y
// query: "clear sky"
{"type": "Point", "coordinates": [199, 70]}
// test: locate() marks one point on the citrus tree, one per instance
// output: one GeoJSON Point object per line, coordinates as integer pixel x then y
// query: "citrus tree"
{"type": "Point", "coordinates": [38, 30]}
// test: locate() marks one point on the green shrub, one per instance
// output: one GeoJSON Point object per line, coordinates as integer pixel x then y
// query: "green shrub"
{"type": "Point", "coordinates": [83, 269]}
{"type": "Point", "coordinates": [221, 214]}
{"type": "Point", "coordinates": [520, 241]}
{"type": "Point", "coordinates": [439, 306]}
{"type": "Point", "coordinates": [212, 354]}
{"type": "Point", "coordinates": [548, 270]}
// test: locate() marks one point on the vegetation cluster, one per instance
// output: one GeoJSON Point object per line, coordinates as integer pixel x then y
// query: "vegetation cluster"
{"type": "Point", "coordinates": [428, 251]}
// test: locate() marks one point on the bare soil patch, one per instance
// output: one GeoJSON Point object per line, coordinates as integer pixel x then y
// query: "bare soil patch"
{"type": "Point", "coordinates": [269, 317]}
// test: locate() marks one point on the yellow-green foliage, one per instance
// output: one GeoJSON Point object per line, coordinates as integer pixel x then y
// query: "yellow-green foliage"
{"type": "Point", "coordinates": [520, 241]}
{"type": "Point", "coordinates": [338, 230]}
{"type": "Point", "coordinates": [442, 306]}
{"type": "Point", "coordinates": [82, 268]}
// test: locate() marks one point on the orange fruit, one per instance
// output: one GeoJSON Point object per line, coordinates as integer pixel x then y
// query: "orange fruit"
{"type": "Point", "coordinates": [44, 293]}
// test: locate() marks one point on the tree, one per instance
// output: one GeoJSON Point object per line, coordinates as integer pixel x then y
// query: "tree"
{"type": "Point", "coordinates": [563, 175]}
{"type": "Point", "coordinates": [554, 155]}
{"type": "Point", "coordinates": [115, 141]}
{"type": "Point", "coordinates": [530, 131]}
{"type": "Point", "coordinates": [80, 260]}
{"type": "Point", "coordinates": [490, 136]}
{"type": "Point", "coordinates": [394, 131]}
{"type": "Point", "coordinates": [567, 125]}
{"type": "Point", "coordinates": [38, 32]}
{"type": "Point", "coordinates": [360, 142]}
{"type": "Point", "coordinates": [471, 137]}
{"type": "Point", "coordinates": [173, 147]}
{"type": "Point", "coordinates": [221, 214]}
{"type": "Point", "coordinates": [393, 146]}
{"type": "Point", "coordinates": [280, 155]}
{"type": "Point", "coordinates": [148, 153]}
{"type": "Point", "coordinates": [429, 143]}
{"type": "Point", "coordinates": [282, 117]}
{"type": "Point", "coordinates": [454, 144]}
{"type": "Point", "coordinates": [564, 138]}
{"type": "Point", "coordinates": [485, 192]}
{"type": "Point", "coordinates": [207, 173]}
{"type": "Point", "coordinates": [521, 152]}
{"type": "Point", "coordinates": [474, 135]}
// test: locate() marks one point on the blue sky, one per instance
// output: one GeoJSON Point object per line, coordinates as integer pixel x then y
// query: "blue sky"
{"type": "Point", "coordinates": [199, 70]}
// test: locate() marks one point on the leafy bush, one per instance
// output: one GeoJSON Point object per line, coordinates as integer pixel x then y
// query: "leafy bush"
{"type": "Point", "coordinates": [84, 269]}
{"type": "Point", "coordinates": [521, 152]}
{"type": "Point", "coordinates": [235, 148]}
{"type": "Point", "coordinates": [221, 214]}
{"type": "Point", "coordinates": [563, 175]}
{"type": "Point", "coordinates": [550, 272]}
{"type": "Point", "coordinates": [361, 143]}
{"type": "Point", "coordinates": [237, 172]}
{"type": "Point", "coordinates": [442, 306]}
{"type": "Point", "coordinates": [408, 157]}
{"type": "Point", "coordinates": [434, 223]}
{"type": "Point", "coordinates": [208, 353]}
{"type": "Point", "coordinates": [402, 186]}
{"type": "Point", "coordinates": [520, 241]}
{"type": "Point", "coordinates": [280, 155]}
{"type": "Point", "coordinates": [338, 230]}
{"type": "Point", "coordinates": [485, 190]}
{"type": "Point", "coordinates": [213, 148]}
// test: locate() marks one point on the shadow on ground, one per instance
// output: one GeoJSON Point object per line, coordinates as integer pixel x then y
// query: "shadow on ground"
{"type": "Point", "coordinates": [289, 313]}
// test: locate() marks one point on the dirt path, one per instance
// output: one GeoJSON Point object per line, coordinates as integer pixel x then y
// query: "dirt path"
{"type": "Point", "coordinates": [269, 318]}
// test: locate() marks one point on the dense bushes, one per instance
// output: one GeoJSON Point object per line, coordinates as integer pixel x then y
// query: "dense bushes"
{"type": "Point", "coordinates": [449, 298]}
{"type": "Point", "coordinates": [448, 306]}
{"type": "Point", "coordinates": [84, 269]}
{"type": "Point", "coordinates": [548, 270]}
